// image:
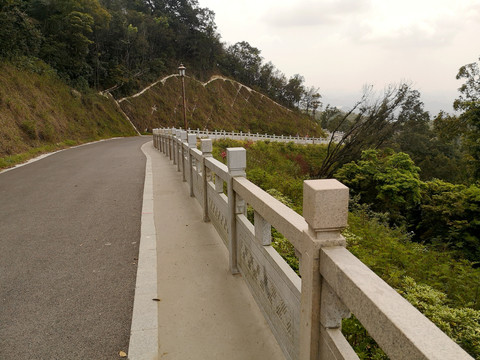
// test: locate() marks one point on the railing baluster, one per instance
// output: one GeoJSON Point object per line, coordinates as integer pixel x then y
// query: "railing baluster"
{"type": "Point", "coordinates": [192, 143]}
{"type": "Point", "coordinates": [236, 162]}
{"type": "Point", "coordinates": [207, 153]}
{"type": "Point", "coordinates": [263, 230]}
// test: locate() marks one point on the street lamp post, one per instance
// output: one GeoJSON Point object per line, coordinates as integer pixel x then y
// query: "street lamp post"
{"type": "Point", "coordinates": [181, 71]}
{"type": "Point", "coordinates": [315, 105]}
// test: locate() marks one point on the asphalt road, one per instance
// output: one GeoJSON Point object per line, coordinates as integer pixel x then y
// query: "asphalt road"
{"type": "Point", "coordinates": [69, 233]}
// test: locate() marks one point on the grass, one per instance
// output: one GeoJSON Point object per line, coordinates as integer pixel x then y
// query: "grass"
{"type": "Point", "coordinates": [220, 105]}
{"type": "Point", "coordinates": [13, 160]}
{"type": "Point", "coordinates": [40, 113]}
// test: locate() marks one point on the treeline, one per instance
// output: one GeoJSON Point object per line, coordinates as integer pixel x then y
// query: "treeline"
{"type": "Point", "coordinates": [124, 44]}
{"type": "Point", "coordinates": [421, 173]}
{"type": "Point", "coordinates": [443, 146]}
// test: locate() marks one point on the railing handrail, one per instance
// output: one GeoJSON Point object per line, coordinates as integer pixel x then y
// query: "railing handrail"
{"type": "Point", "coordinates": [215, 134]}
{"type": "Point", "coordinates": [333, 283]}
{"type": "Point", "coordinates": [284, 219]}
{"type": "Point", "coordinates": [403, 331]}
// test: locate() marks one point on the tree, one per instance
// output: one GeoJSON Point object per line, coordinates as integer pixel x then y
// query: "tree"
{"type": "Point", "coordinates": [19, 36]}
{"type": "Point", "coordinates": [368, 125]}
{"type": "Point", "coordinates": [243, 62]}
{"type": "Point", "coordinates": [469, 103]}
{"type": "Point", "coordinates": [294, 90]}
{"type": "Point", "coordinates": [449, 217]}
{"type": "Point", "coordinates": [311, 99]}
{"type": "Point", "coordinates": [416, 136]}
{"type": "Point", "coordinates": [68, 27]}
{"type": "Point", "coordinates": [389, 182]}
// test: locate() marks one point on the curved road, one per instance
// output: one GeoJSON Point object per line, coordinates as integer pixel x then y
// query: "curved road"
{"type": "Point", "coordinates": [69, 233]}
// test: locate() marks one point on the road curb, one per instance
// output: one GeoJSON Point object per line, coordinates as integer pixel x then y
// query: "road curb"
{"type": "Point", "coordinates": [144, 330]}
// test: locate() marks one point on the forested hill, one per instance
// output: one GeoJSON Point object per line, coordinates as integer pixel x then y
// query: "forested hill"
{"type": "Point", "coordinates": [57, 55]}
{"type": "Point", "coordinates": [219, 103]}
{"type": "Point", "coordinates": [128, 44]}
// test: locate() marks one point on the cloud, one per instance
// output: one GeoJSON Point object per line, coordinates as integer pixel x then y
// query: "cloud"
{"type": "Point", "coordinates": [435, 32]}
{"type": "Point", "coordinates": [399, 24]}
{"type": "Point", "coordinates": [315, 13]}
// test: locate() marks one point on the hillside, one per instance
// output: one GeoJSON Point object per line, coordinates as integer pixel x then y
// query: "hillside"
{"type": "Point", "coordinates": [220, 103]}
{"type": "Point", "coordinates": [39, 112]}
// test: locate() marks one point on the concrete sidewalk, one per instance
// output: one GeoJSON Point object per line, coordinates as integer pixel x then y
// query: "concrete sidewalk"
{"type": "Point", "coordinates": [204, 312]}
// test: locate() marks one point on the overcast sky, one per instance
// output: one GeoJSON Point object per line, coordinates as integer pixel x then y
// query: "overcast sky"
{"type": "Point", "coordinates": [342, 45]}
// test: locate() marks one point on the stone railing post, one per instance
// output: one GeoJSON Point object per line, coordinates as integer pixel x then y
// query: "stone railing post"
{"type": "Point", "coordinates": [174, 146]}
{"type": "Point", "coordinates": [236, 163]}
{"type": "Point", "coordinates": [170, 150]}
{"type": "Point", "coordinates": [192, 143]}
{"type": "Point", "coordinates": [162, 140]}
{"type": "Point", "coordinates": [163, 134]}
{"type": "Point", "coordinates": [325, 209]}
{"type": "Point", "coordinates": [179, 150]}
{"type": "Point", "coordinates": [206, 153]}
{"type": "Point", "coordinates": [175, 137]}
{"type": "Point", "coordinates": [180, 153]}
{"type": "Point", "coordinates": [170, 143]}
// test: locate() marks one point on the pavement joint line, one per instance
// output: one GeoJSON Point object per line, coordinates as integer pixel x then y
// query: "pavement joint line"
{"type": "Point", "coordinates": [144, 328]}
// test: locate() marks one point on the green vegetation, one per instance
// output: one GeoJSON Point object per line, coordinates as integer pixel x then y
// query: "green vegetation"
{"type": "Point", "coordinates": [39, 113]}
{"type": "Point", "coordinates": [12, 160]}
{"type": "Point", "coordinates": [439, 213]}
{"type": "Point", "coordinates": [123, 45]}
{"type": "Point", "coordinates": [49, 48]}
{"type": "Point", "coordinates": [435, 277]}
{"type": "Point", "coordinates": [415, 211]}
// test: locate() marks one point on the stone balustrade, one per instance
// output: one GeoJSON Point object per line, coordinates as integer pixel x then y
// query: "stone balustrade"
{"type": "Point", "coordinates": [304, 313]}
{"type": "Point", "coordinates": [222, 134]}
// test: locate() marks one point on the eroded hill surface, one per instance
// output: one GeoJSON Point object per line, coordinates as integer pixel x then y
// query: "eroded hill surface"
{"type": "Point", "coordinates": [220, 103]}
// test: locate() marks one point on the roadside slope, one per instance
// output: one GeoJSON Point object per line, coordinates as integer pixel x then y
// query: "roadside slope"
{"type": "Point", "coordinates": [40, 113]}
{"type": "Point", "coordinates": [220, 103]}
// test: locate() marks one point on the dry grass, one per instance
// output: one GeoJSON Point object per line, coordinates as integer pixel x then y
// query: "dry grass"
{"type": "Point", "coordinates": [219, 105]}
{"type": "Point", "coordinates": [39, 113]}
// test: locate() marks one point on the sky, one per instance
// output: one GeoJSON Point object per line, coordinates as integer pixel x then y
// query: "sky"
{"type": "Point", "coordinates": [340, 46]}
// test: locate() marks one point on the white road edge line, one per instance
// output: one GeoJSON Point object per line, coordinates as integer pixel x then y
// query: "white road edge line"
{"type": "Point", "coordinates": [43, 156]}
{"type": "Point", "coordinates": [144, 331]}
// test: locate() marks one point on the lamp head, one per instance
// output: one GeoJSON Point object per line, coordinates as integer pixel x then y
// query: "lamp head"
{"type": "Point", "coordinates": [181, 70]}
